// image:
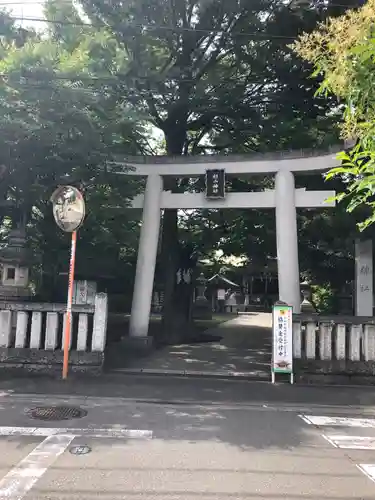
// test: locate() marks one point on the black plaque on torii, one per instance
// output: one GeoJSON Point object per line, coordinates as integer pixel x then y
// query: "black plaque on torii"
{"type": "Point", "coordinates": [215, 184]}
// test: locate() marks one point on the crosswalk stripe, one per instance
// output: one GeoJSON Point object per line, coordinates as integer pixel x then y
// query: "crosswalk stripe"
{"type": "Point", "coordinates": [20, 480]}
{"type": "Point", "coordinates": [319, 420]}
{"type": "Point", "coordinates": [347, 442]}
{"type": "Point", "coordinates": [351, 442]}
{"type": "Point", "coordinates": [368, 470]}
{"type": "Point", "coordinates": [108, 432]}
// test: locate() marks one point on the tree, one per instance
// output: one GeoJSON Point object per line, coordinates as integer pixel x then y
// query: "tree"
{"type": "Point", "coordinates": [54, 130]}
{"type": "Point", "coordinates": [342, 51]}
{"type": "Point", "coordinates": [214, 77]}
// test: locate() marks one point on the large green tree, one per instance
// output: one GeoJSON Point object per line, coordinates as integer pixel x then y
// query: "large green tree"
{"type": "Point", "coordinates": [54, 130]}
{"type": "Point", "coordinates": [215, 77]}
{"type": "Point", "coordinates": [342, 52]}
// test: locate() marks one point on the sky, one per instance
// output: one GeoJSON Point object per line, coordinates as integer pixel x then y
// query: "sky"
{"type": "Point", "coordinates": [26, 8]}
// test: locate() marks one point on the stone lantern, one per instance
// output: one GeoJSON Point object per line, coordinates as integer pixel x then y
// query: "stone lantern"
{"type": "Point", "coordinates": [202, 307]}
{"type": "Point", "coordinates": [15, 261]}
{"type": "Point", "coordinates": [201, 288]}
{"type": "Point", "coordinates": [306, 292]}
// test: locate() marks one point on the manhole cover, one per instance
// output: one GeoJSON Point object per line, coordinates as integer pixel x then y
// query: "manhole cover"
{"type": "Point", "coordinates": [56, 412]}
{"type": "Point", "coordinates": [80, 450]}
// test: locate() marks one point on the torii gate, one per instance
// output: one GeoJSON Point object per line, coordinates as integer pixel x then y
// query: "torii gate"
{"type": "Point", "coordinates": [284, 198]}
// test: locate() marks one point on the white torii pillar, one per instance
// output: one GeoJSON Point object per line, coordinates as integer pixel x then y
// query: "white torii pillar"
{"type": "Point", "coordinates": [285, 199]}
{"type": "Point", "coordinates": [287, 240]}
{"type": "Point", "coordinates": [146, 260]}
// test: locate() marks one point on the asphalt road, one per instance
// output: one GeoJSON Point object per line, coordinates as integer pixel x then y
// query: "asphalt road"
{"type": "Point", "coordinates": [184, 450]}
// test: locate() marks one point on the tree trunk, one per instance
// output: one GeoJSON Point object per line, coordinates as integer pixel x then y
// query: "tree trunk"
{"type": "Point", "coordinates": [176, 310]}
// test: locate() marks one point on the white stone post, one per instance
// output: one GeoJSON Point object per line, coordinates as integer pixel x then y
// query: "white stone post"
{"type": "Point", "coordinates": [99, 331]}
{"type": "Point", "coordinates": [52, 328]}
{"type": "Point", "coordinates": [5, 328]}
{"type": "Point", "coordinates": [297, 340]}
{"type": "Point", "coordinates": [36, 330]}
{"type": "Point", "coordinates": [146, 260]}
{"type": "Point", "coordinates": [287, 240]}
{"type": "Point", "coordinates": [340, 341]}
{"type": "Point", "coordinates": [363, 278]}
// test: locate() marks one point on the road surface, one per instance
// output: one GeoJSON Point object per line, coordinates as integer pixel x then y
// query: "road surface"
{"type": "Point", "coordinates": [172, 450]}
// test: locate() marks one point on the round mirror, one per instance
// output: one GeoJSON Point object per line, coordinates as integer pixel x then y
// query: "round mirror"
{"type": "Point", "coordinates": [68, 208]}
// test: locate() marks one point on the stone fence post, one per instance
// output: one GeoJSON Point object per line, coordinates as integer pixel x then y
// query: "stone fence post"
{"type": "Point", "coordinates": [99, 333]}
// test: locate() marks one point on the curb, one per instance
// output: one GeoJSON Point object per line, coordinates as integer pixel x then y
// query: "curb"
{"type": "Point", "coordinates": [192, 374]}
{"type": "Point", "coordinates": [233, 375]}
{"type": "Point", "coordinates": [288, 406]}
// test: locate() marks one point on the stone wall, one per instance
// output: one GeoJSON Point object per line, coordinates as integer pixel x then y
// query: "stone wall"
{"type": "Point", "coordinates": [334, 349]}
{"type": "Point", "coordinates": [32, 336]}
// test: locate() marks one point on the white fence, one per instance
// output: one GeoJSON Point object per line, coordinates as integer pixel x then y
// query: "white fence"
{"type": "Point", "coordinates": [333, 338]}
{"type": "Point", "coordinates": [40, 326]}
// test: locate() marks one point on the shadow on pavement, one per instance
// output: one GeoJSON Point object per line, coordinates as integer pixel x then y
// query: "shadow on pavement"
{"type": "Point", "coordinates": [241, 345]}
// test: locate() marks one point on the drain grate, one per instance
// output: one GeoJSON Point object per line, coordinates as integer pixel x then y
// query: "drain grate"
{"type": "Point", "coordinates": [56, 412]}
{"type": "Point", "coordinates": [80, 450]}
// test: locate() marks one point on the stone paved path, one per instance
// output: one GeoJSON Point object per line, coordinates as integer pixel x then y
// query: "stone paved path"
{"type": "Point", "coordinates": [244, 349]}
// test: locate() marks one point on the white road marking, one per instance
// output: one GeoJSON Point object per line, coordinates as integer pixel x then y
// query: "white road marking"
{"type": "Point", "coordinates": [347, 442]}
{"type": "Point", "coordinates": [368, 470]}
{"type": "Point", "coordinates": [339, 421]}
{"type": "Point", "coordinates": [114, 432]}
{"type": "Point", "coordinates": [327, 438]}
{"type": "Point", "coordinates": [19, 481]}
{"type": "Point", "coordinates": [351, 442]}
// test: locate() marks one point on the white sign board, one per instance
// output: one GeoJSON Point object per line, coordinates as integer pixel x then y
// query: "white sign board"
{"type": "Point", "coordinates": [282, 342]}
{"type": "Point", "coordinates": [363, 278]}
{"type": "Point", "coordinates": [221, 294]}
